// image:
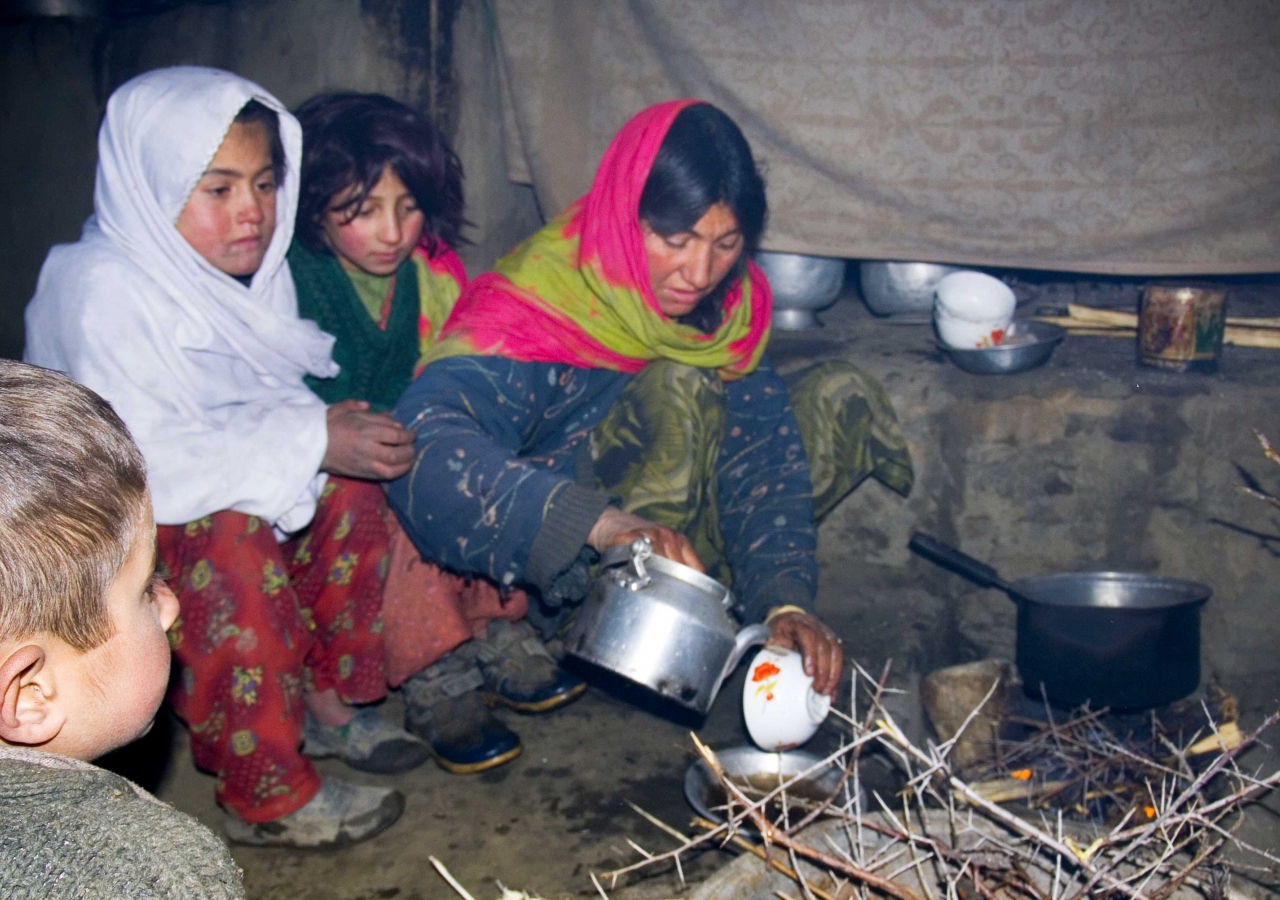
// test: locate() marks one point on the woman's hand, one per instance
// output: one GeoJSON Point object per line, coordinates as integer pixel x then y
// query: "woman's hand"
{"type": "Point", "coordinates": [818, 645]}
{"type": "Point", "coordinates": [616, 527]}
{"type": "Point", "coordinates": [364, 444]}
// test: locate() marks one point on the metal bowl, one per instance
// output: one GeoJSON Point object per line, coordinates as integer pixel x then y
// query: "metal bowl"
{"type": "Point", "coordinates": [1000, 360]}
{"type": "Point", "coordinates": [801, 284]}
{"type": "Point", "coordinates": [893, 288]}
{"type": "Point", "coordinates": [761, 771]}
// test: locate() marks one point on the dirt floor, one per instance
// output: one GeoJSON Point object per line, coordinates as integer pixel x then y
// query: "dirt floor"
{"type": "Point", "coordinates": [539, 824]}
{"type": "Point", "coordinates": [559, 811]}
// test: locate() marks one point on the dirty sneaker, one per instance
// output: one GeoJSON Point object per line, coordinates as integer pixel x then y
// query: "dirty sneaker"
{"type": "Point", "coordinates": [518, 670]}
{"type": "Point", "coordinates": [444, 707]}
{"type": "Point", "coordinates": [368, 742]}
{"type": "Point", "coordinates": [340, 813]}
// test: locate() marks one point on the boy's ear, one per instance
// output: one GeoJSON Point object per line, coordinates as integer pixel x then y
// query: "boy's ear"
{"type": "Point", "coordinates": [28, 714]}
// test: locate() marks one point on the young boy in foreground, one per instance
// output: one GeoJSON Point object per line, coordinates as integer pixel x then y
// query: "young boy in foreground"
{"type": "Point", "coordinates": [84, 661]}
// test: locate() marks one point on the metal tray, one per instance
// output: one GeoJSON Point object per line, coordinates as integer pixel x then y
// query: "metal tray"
{"type": "Point", "coordinates": [761, 770]}
{"type": "Point", "coordinates": [1017, 358]}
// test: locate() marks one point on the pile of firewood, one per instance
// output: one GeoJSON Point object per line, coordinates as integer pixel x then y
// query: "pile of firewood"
{"type": "Point", "coordinates": [941, 837]}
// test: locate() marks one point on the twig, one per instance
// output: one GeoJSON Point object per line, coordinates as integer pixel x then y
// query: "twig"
{"type": "Point", "coordinates": [769, 832]}
{"type": "Point", "coordinates": [1015, 823]}
{"type": "Point", "coordinates": [1017, 859]}
{"type": "Point", "coordinates": [453, 882]}
{"type": "Point", "coordinates": [757, 850]}
{"type": "Point", "coordinates": [657, 823]}
{"type": "Point", "coordinates": [851, 764]}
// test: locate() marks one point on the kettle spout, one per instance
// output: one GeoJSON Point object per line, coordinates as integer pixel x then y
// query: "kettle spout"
{"type": "Point", "coordinates": [751, 636]}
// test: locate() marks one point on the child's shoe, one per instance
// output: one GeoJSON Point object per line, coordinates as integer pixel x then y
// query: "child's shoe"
{"type": "Point", "coordinates": [518, 670]}
{"type": "Point", "coordinates": [444, 707]}
{"type": "Point", "coordinates": [368, 742]}
{"type": "Point", "coordinates": [340, 813]}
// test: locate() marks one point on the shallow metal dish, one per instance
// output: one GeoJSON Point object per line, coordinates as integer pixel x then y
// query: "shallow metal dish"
{"type": "Point", "coordinates": [760, 770]}
{"type": "Point", "coordinates": [1016, 358]}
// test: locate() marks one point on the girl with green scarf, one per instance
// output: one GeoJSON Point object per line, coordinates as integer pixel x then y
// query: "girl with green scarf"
{"type": "Point", "coordinates": [381, 210]}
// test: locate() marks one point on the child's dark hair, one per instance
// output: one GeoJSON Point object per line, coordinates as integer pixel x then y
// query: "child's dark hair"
{"type": "Point", "coordinates": [704, 160]}
{"type": "Point", "coordinates": [349, 139]}
{"type": "Point", "coordinates": [255, 112]}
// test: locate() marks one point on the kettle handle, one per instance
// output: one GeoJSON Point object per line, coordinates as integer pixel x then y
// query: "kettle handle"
{"type": "Point", "coordinates": [622, 554]}
{"type": "Point", "coordinates": [751, 636]}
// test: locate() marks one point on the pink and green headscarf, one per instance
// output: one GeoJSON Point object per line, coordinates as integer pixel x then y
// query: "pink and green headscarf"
{"type": "Point", "coordinates": [577, 292]}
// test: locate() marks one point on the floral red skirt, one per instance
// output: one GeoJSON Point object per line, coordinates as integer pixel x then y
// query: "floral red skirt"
{"type": "Point", "coordinates": [260, 622]}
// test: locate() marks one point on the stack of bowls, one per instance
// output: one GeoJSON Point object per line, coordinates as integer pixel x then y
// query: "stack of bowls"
{"type": "Point", "coordinates": [972, 310]}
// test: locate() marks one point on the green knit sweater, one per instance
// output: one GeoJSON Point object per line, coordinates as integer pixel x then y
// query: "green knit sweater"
{"type": "Point", "coordinates": [377, 363]}
{"type": "Point", "coordinates": [72, 831]}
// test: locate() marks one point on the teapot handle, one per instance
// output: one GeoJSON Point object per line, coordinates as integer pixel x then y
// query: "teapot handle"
{"type": "Point", "coordinates": [751, 636]}
{"type": "Point", "coordinates": [624, 554]}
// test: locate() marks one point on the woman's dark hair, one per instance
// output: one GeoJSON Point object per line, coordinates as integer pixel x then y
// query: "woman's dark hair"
{"type": "Point", "coordinates": [253, 113]}
{"type": "Point", "coordinates": [705, 160]}
{"type": "Point", "coordinates": [348, 139]}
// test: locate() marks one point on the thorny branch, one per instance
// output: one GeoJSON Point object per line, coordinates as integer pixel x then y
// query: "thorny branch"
{"type": "Point", "coordinates": [946, 840]}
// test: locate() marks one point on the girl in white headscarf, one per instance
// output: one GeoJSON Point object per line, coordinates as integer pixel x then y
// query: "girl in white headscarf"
{"type": "Point", "coordinates": [177, 306]}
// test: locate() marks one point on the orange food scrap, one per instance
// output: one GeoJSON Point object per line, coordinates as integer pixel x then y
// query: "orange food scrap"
{"type": "Point", "coordinates": [1021, 774]}
{"type": "Point", "coordinates": [765, 670]}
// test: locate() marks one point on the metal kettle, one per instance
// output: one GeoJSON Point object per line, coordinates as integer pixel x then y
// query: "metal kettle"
{"type": "Point", "coordinates": [661, 624]}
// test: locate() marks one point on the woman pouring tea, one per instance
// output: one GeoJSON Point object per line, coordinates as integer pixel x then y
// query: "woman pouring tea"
{"type": "Point", "coordinates": [609, 380]}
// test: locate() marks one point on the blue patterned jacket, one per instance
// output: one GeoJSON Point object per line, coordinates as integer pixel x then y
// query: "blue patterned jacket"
{"type": "Point", "coordinates": [497, 486]}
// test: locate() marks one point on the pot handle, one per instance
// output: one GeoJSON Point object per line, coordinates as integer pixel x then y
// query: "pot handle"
{"type": "Point", "coordinates": [949, 557]}
{"type": "Point", "coordinates": [744, 640]}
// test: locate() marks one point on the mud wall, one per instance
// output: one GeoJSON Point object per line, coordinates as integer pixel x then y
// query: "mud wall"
{"type": "Point", "coordinates": [1091, 463]}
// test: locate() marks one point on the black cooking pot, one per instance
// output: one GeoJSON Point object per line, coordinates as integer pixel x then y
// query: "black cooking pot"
{"type": "Point", "coordinates": [1113, 639]}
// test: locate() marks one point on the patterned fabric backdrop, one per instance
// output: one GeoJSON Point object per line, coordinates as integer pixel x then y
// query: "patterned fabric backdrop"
{"type": "Point", "coordinates": [1126, 136]}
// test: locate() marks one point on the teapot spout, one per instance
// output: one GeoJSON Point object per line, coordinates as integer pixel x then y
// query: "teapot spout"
{"type": "Point", "coordinates": [751, 636]}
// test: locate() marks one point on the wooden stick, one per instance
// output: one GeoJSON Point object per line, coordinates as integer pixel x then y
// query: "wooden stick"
{"type": "Point", "coordinates": [777, 836]}
{"type": "Point", "coordinates": [1024, 828]}
{"type": "Point", "coordinates": [1121, 319]}
{"type": "Point", "coordinates": [1002, 790]}
{"type": "Point", "coordinates": [1227, 738]}
{"type": "Point", "coordinates": [447, 876]}
{"type": "Point", "coordinates": [1087, 329]}
{"type": "Point", "coordinates": [1254, 321]}
{"type": "Point", "coordinates": [1263, 338]}
{"type": "Point", "coordinates": [740, 841]}
{"type": "Point", "coordinates": [1111, 317]}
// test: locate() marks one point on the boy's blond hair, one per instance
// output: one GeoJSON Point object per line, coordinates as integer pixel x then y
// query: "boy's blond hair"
{"type": "Point", "coordinates": [73, 493]}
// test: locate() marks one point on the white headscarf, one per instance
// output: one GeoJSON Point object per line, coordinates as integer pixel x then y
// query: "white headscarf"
{"type": "Point", "coordinates": [206, 372]}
